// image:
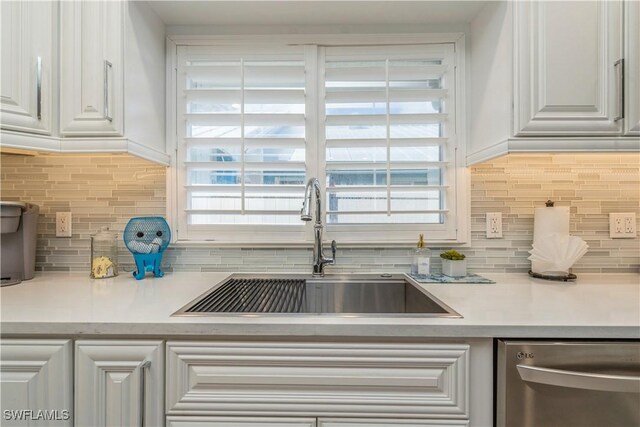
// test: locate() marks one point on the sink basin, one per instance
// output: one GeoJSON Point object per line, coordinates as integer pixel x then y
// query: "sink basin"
{"type": "Point", "coordinates": [338, 295]}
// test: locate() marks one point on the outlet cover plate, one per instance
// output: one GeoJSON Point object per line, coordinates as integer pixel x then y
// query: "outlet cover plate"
{"type": "Point", "coordinates": [63, 224]}
{"type": "Point", "coordinates": [494, 225]}
{"type": "Point", "coordinates": [622, 225]}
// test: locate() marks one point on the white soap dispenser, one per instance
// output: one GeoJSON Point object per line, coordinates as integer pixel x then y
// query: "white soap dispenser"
{"type": "Point", "coordinates": [421, 259]}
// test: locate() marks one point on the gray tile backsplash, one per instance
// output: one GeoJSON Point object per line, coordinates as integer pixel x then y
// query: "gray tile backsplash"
{"type": "Point", "coordinates": [107, 190]}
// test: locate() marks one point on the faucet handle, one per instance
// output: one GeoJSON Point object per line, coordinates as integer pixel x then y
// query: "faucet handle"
{"type": "Point", "coordinates": [333, 250]}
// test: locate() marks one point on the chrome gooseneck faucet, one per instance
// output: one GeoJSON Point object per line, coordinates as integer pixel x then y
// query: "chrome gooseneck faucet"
{"type": "Point", "coordinates": [319, 259]}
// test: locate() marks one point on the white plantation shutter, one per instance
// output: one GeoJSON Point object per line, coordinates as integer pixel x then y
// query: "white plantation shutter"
{"type": "Point", "coordinates": [389, 138]}
{"type": "Point", "coordinates": [375, 124]}
{"type": "Point", "coordinates": [243, 141]}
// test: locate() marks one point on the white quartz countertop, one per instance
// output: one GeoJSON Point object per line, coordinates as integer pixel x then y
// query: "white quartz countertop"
{"type": "Point", "coordinates": [71, 304]}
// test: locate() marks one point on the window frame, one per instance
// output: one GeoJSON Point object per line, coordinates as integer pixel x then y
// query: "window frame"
{"type": "Point", "coordinates": [399, 235]}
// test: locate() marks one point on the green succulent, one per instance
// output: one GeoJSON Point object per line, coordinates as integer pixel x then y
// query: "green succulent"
{"type": "Point", "coordinates": [452, 255]}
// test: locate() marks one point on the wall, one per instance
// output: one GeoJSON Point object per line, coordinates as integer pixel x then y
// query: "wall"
{"type": "Point", "coordinates": [108, 190]}
{"type": "Point", "coordinates": [99, 190]}
{"type": "Point", "coordinates": [593, 185]}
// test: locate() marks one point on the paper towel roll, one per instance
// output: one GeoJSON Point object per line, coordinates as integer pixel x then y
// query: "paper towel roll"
{"type": "Point", "coordinates": [549, 220]}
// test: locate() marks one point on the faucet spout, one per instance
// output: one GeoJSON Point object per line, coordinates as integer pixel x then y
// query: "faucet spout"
{"type": "Point", "coordinates": [313, 185]}
{"type": "Point", "coordinates": [319, 260]}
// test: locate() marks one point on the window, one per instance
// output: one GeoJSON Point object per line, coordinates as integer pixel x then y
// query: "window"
{"type": "Point", "coordinates": [376, 125]}
{"type": "Point", "coordinates": [387, 132]}
{"type": "Point", "coordinates": [243, 143]}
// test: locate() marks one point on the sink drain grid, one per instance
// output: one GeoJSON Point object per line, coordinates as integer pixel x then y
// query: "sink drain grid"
{"type": "Point", "coordinates": [253, 296]}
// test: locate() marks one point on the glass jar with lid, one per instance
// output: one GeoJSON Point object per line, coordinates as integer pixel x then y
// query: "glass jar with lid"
{"type": "Point", "coordinates": [104, 254]}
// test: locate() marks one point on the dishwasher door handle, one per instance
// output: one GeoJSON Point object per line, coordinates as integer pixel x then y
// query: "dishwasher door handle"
{"type": "Point", "coordinates": [583, 380]}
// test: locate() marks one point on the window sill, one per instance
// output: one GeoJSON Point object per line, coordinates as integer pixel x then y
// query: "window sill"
{"type": "Point", "coordinates": [309, 245]}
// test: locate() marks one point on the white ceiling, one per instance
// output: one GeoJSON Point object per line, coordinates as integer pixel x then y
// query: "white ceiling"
{"type": "Point", "coordinates": [314, 12]}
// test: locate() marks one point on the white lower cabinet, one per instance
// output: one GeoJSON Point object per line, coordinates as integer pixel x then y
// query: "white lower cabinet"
{"type": "Point", "coordinates": [193, 421]}
{"type": "Point", "coordinates": [378, 422]}
{"type": "Point", "coordinates": [242, 378]}
{"type": "Point", "coordinates": [36, 382]}
{"type": "Point", "coordinates": [239, 422]}
{"type": "Point", "coordinates": [119, 383]}
{"type": "Point", "coordinates": [235, 383]}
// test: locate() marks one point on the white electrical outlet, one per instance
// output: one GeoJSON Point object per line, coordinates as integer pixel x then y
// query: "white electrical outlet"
{"type": "Point", "coordinates": [494, 225]}
{"type": "Point", "coordinates": [63, 224]}
{"type": "Point", "coordinates": [622, 225]}
{"type": "Point", "coordinates": [630, 224]}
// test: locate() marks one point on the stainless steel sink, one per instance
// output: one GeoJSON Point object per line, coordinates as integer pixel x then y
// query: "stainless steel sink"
{"type": "Point", "coordinates": [338, 295]}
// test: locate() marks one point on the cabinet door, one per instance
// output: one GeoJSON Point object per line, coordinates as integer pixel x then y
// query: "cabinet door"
{"type": "Point", "coordinates": [565, 57]}
{"type": "Point", "coordinates": [632, 67]}
{"type": "Point", "coordinates": [26, 67]}
{"type": "Point", "coordinates": [36, 382]}
{"type": "Point", "coordinates": [119, 383]}
{"type": "Point", "coordinates": [91, 85]}
{"type": "Point", "coordinates": [191, 421]}
{"type": "Point", "coordinates": [391, 422]}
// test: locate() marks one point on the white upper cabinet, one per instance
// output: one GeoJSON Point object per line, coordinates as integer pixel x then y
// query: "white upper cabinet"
{"type": "Point", "coordinates": [112, 79]}
{"type": "Point", "coordinates": [567, 72]}
{"type": "Point", "coordinates": [92, 63]}
{"type": "Point", "coordinates": [95, 86]}
{"type": "Point", "coordinates": [632, 67]}
{"type": "Point", "coordinates": [554, 76]}
{"type": "Point", "coordinates": [27, 65]}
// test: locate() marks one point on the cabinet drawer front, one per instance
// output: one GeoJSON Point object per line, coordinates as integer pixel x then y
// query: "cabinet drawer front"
{"type": "Point", "coordinates": [335, 379]}
{"type": "Point", "coordinates": [239, 422]}
{"type": "Point", "coordinates": [379, 422]}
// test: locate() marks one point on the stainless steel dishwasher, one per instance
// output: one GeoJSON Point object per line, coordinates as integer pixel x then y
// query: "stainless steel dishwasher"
{"type": "Point", "coordinates": [564, 384]}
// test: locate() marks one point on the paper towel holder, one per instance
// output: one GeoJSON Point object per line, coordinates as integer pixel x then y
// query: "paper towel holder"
{"type": "Point", "coordinates": [569, 277]}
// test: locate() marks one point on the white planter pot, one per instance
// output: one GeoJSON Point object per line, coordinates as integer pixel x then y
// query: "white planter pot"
{"type": "Point", "coordinates": [454, 268]}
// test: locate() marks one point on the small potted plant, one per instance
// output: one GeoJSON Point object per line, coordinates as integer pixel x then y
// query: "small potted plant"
{"type": "Point", "coordinates": [453, 264]}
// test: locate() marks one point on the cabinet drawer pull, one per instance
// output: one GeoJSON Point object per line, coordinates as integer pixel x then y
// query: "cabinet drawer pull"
{"type": "Point", "coordinates": [143, 398]}
{"type": "Point", "coordinates": [39, 88]}
{"type": "Point", "coordinates": [107, 65]}
{"type": "Point", "coordinates": [619, 66]}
